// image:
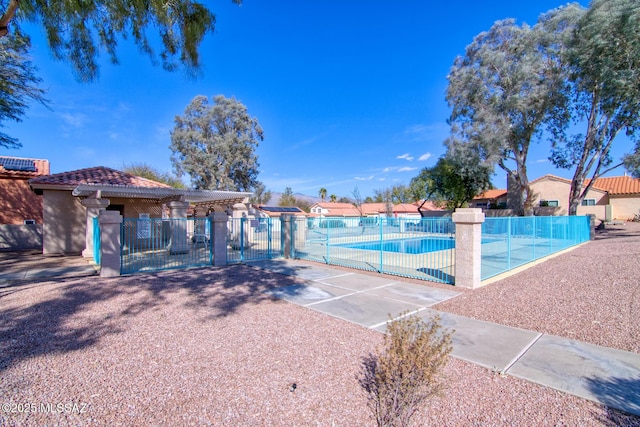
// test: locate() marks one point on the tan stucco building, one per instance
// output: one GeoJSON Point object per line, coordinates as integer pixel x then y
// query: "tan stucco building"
{"type": "Point", "coordinates": [72, 199]}
{"type": "Point", "coordinates": [611, 198]}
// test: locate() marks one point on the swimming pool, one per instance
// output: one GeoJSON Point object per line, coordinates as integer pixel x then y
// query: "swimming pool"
{"type": "Point", "coordinates": [406, 246]}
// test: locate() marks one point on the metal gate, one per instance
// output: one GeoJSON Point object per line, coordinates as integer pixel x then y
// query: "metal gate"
{"type": "Point", "coordinates": [251, 239]}
{"type": "Point", "coordinates": [150, 244]}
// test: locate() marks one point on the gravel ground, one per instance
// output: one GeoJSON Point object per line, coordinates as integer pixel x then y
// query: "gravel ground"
{"type": "Point", "coordinates": [209, 347]}
{"type": "Point", "coordinates": [591, 293]}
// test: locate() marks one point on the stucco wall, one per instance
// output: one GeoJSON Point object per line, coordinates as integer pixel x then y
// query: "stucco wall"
{"type": "Point", "coordinates": [64, 223]}
{"type": "Point", "coordinates": [134, 207]}
{"type": "Point", "coordinates": [552, 189]}
{"type": "Point", "coordinates": [625, 207]}
{"type": "Point", "coordinates": [15, 237]}
{"type": "Point", "coordinates": [18, 202]}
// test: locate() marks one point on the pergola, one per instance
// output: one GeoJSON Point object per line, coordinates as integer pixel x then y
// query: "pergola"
{"type": "Point", "coordinates": [214, 200]}
{"type": "Point", "coordinates": [95, 197]}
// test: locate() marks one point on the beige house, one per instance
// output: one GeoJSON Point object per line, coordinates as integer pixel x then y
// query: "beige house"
{"type": "Point", "coordinates": [490, 199]}
{"type": "Point", "coordinates": [613, 198]}
{"type": "Point", "coordinates": [72, 199]}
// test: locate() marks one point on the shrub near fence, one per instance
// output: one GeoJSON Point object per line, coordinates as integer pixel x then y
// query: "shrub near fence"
{"type": "Point", "coordinates": [508, 243]}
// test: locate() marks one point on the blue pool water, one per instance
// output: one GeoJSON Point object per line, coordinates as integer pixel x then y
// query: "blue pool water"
{"type": "Point", "coordinates": [413, 246]}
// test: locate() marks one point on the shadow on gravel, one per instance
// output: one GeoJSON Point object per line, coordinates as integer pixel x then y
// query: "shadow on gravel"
{"type": "Point", "coordinates": [631, 230]}
{"type": "Point", "coordinates": [618, 393]}
{"type": "Point", "coordinates": [73, 314]}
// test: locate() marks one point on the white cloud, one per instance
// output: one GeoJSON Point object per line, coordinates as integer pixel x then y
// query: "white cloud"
{"type": "Point", "coordinates": [425, 156]}
{"type": "Point", "coordinates": [74, 119]}
{"type": "Point", "coordinates": [385, 170]}
{"type": "Point", "coordinates": [406, 169]}
{"type": "Point", "coordinates": [360, 178]}
{"type": "Point", "coordinates": [405, 156]}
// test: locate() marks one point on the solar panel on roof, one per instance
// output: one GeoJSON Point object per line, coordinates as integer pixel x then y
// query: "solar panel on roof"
{"type": "Point", "coordinates": [280, 209]}
{"type": "Point", "coordinates": [23, 165]}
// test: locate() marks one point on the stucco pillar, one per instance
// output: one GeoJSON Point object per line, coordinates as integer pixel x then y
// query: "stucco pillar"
{"type": "Point", "coordinates": [468, 246]}
{"type": "Point", "coordinates": [287, 220]}
{"type": "Point", "coordinates": [592, 226]}
{"type": "Point", "coordinates": [110, 223]}
{"type": "Point", "coordinates": [219, 237]}
{"type": "Point", "coordinates": [93, 208]}
{"type": "Point", "coordinates": [178, 244]}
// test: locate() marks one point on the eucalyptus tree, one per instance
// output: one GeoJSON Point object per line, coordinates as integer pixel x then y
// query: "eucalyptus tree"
{"type": "Point", "coordinates": [18, 84]}
{"type": "Point", "coordinates": [502, 93]}
{"type": "Point", "coordinates": [77, 31]}
{"type": "Point", "coordinates": [215, 144]}
{"type": "Point", "coordinates": [603, 72]}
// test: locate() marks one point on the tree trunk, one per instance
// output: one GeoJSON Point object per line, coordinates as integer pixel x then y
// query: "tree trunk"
{"type": "Point", "coordinates": [7, 17]}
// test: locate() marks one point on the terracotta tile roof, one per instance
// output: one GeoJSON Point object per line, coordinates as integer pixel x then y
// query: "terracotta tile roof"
{"type": "Point", "coordinates": [405, 208]}
{"type": "Point", "coordinates": [373, 208]}
{"type": "Point", "coordinates": [96, 175]}
{"type": "Point", "coordinates": [427, 206]}
{"type": "Point", "coordinates": [492, 194]}
{"type": "Point", "coordinates": [337, 209]}
{"type": "Point", "coordinates": [8, 167]}
{"type": "Point", "coordinates": [618, 185]}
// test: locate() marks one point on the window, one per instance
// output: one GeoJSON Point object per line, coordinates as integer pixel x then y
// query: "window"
{"type": "Point", "coordinates": [550, 203]}
{"type": "Point", "coordinates": [588, 202]}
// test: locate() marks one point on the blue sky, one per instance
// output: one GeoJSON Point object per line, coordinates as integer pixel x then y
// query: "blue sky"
{"type": "Point", "coordinates": [349, 93]}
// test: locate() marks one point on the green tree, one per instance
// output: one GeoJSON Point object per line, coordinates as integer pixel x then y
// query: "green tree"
{"type": "Point", "coordinates": [450, 184]}
{"type": "Point", "coordinates": [502, 93]}
{"type": "Point", "coordinates": [261, 195]}
{"type": "Point", "coordinates": [18, 84]}
{"type": "Point", "coordinates": [603, 74]}
{"type": "Point", "coordinates": [77, 31]}
{"type": "Point", "coordinates": [149, 172]}
{"type": "Point", "coordinates": [287, 198]}
{"type": "Point", "coordinates": [215, 144]}
{"type": "Point", "coordinates": [322, 193]}
{"type": "Point", "coordinates": [333, 198]}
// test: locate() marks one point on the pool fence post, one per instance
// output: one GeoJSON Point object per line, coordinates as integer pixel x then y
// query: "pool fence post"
{"type": "Point", "coordinates": [286, 232]}
{"type": "Point", "coordinates": [219, 236]}
{"type": "Point", "coordinates": [468, 253]}
{"type": "Point", "coordinates": [110, 224]}
{"type": "Point", "coordinates": [178, 243]}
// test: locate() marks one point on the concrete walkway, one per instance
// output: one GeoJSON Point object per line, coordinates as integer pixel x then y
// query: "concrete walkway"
{"type": "Point", "coordinates": [32, 265]}
{"type": "Point", "coordinates": [604, 375]}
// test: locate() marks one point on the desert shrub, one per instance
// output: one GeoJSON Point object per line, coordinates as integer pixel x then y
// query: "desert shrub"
{"type": "Point", "coordinates": [406, 370]}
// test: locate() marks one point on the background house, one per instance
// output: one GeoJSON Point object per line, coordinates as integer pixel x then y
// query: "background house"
{"type": "Point", "coordinates": [608, 199]}
{"type": "Point", "coordinates": [20, 208]}
{"type": "Point", "coordinates": [490, 199]}
{"type": "Point", "coordinates": [611, 198]}
{"type": "Point", "coordinates": [17, 202]}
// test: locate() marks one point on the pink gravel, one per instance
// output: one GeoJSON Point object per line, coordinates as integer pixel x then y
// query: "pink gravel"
{"type": "Point", "coordinates": [591, 293]}
{"type": "Point", "coordinates": [208, 347]}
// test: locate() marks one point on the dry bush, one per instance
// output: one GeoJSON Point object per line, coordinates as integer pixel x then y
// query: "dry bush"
{"type": "Point", "coordinates": [406, 370]}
